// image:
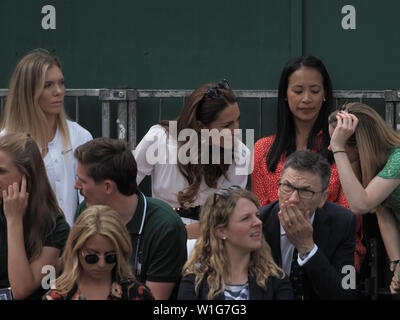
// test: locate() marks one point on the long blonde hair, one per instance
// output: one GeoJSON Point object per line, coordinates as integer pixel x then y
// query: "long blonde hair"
{"type": "Point", "coordinates": [95, 220]}
{"type": "Point", "coordinates": [374, 139]}
{"type": "Point", "coordinates": [208, 260]}
{"type": "Point", "coordinates": [22, 112]}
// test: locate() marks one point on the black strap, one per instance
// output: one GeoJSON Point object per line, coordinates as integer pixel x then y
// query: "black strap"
{"type": "Point", "coordinates": [190, 213]}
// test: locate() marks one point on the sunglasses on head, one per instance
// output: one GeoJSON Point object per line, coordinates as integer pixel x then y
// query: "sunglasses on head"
{"type": "Point", "coordinates": [224, 192]}
{"type": "Point", "coordinates": [213, 92]}
{"type": "Point", "coordinates": [344, 108]}
{"type": "Point", "coordinates": [93, 258]}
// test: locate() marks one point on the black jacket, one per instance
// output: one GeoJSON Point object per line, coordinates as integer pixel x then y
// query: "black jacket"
{"type": "Point", "coordinates": [334, 233]}
{"type": "Point", "coordinates": [277, 289]}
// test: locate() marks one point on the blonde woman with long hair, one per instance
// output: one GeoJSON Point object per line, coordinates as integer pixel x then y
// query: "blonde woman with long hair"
{"type": "Point", "coordinates": [96, 261]}
{"type": "Point", "coordinates": [35, 104]}
{"type": "Point", "coordinates": [231, 259]}
{"type": "Point", "coordinates": [359, 131]}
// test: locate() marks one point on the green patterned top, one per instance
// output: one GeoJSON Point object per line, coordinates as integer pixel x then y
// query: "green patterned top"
{"type": "Point", "coordinates": [392, 171]}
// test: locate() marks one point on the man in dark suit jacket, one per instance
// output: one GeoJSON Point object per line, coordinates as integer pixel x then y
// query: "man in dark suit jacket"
{"type": "Point", "coordinates": [322, 233]}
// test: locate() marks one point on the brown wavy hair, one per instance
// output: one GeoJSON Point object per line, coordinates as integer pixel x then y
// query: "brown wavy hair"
{"type": "Point", "coordinates": [201, 110]}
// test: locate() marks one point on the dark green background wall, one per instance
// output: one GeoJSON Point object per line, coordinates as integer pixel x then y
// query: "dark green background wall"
{"type": "Point", "coordinates": [180, 44]}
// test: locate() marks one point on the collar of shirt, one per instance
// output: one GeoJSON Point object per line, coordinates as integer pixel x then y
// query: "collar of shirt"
{"type": "Point", "coordinates": [133, 226]}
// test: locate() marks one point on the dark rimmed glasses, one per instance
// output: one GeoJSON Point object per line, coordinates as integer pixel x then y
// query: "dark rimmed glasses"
{"type": "Point", "coordinates": [213, 92]}
{"type": "Point", "coordinates": [303, 193]}
{"type": "Point", "coordinates": [225, 192]}
{"type": "Point", "coordinates": [93, 258]}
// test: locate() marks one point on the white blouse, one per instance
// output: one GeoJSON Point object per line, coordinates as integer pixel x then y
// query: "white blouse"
{"type": "Point", "coordinates": [156, 156]}
{"type": "Point", "coordinates": [61, 168]}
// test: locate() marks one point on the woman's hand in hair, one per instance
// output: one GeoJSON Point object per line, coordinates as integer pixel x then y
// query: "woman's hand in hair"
{"type": "Point", "coordinates": [395, 284]}
{"type": "Point", "coordinates": [345, 128]}
{"type": "Point", "coordinates": [15, 201]}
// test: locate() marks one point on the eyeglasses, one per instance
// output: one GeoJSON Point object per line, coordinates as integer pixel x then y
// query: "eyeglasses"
{"type": "Point", "coordinates": [93, 258]}
{"type": "Point", "coordinates": [213, 92]}
{"type": "Point", "coordinates": [304, 194]}
{"type": "Point", "coordinates": [224, 192]}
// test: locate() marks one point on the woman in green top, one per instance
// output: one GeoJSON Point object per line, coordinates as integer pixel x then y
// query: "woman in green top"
{"type": "Point", "coordinates": [358, 131]}
{"type": "Point", "coordinates": [32, 228]}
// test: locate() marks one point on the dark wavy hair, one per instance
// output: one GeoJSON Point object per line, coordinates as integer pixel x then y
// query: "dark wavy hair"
{"type": "Point", "coordinates": [200, 109]}
{"type": "Point", "coordinates": [285, 138]}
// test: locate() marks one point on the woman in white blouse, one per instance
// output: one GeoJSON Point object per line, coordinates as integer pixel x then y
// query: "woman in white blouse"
{"type": "Point", "coordinates": [188, 160]}
{"type": "Point", "coordinates": [35, 104]}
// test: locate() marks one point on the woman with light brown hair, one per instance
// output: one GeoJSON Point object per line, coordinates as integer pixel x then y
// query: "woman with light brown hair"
{"type": "Point", "coordinates": [358, 133]}
{"type": "Point", "coordinates": [96, 260]}
{"type": "Point", "coordinates": [33, 230]}
{"type": "Point", "coordinates": [231, 259]}
{"type": "Point", "coordinates": [188, 164]}
{"type": "Point", "coordinates": [35, 104]}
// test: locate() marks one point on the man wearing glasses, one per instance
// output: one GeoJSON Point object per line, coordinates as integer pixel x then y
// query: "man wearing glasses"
{"type": "Point", "coordinates": [312, 239]}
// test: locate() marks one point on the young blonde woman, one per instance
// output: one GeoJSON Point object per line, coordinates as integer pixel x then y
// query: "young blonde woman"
{"type": "Point", "coordinates": [35, 104]}
{"type": "Point", "coordinates": [231, 259]}
{"type": "Point", "coordinates": [358, 132]}
{"type": "Point", "coordinates": [33, 230]}
{"type": "Point", "coordinates": [96, 261]}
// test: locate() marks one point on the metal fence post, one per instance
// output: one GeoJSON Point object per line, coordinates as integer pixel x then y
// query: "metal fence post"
{"type": "Point", "coordinates": [392, 108]}
{"type": "Point", "coordinates": [105, 96]}
{"type": "Point", "coordinates": [132, 96]}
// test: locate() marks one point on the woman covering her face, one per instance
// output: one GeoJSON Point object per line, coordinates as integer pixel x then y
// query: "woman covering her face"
{"type": "Point", "coordinates": [360, 135]}
{"type": "Point", "coordinates": [35, 104]}
{"type": "Point", "coordinates": [96, 261]}
{"type": "Point", "coordinates": [33, 230]}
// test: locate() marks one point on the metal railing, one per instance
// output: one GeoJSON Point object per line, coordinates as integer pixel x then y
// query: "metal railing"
{"type": "Point", "coordinates": [127, 103]}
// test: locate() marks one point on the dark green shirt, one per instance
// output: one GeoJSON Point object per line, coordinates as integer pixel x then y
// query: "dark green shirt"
{"type": "Point", "coordinates": [162, 251]}
{"type": "Point", "coordinates": [56, 239]}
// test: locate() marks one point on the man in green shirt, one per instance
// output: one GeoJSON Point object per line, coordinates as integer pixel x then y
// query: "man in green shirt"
{"type": "Point", "coordinates": [106, 174]}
